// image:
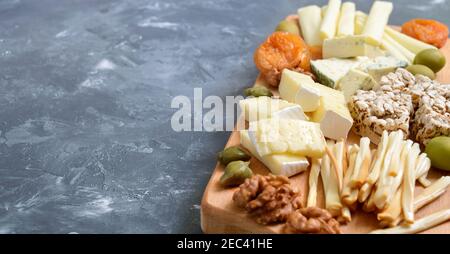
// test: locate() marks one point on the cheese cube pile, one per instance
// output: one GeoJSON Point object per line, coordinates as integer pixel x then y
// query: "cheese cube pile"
{"type": "Point", "coordinates": [327, 106]}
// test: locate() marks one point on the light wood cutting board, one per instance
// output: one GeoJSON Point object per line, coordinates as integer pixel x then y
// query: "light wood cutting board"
{"type": "Point", "coordinates": [220, 215]}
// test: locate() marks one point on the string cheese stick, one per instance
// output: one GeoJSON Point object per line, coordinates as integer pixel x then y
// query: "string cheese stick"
{"type": "Point", "coordinates": [427, 196]}
{"type": "Point", "coordinates": [409, 180]}
{"type": "Point", "coordinates": [393, 211]}
{"type": "Point", "coordinates": [346, 215]}
{"type": "Point", "coordinates": [330, 185]}
{"type": "Point", "coordinates": [313, 180]}
{"type": "Point", "coordinates": [385, 181]}
{"type": "Point", "coordinates": [330, 20]}
{"type": "Point", "coordinates": [420, 225]}
{"type": "Point", "coordinates": [346, 189]}
{"type": "Point", "coordinates": [340, 155]}
{"type": "Point", "coordinates": [395, 168]}
{"type": "Point", "coordinates": [396, 181]}
{"type": "Point", "coordinates": [381, 153]}
{"type": "Point", "coordinates": [351, 198]}
{"type": "Point", "coordinates": [362, 164]}
{"type": "Point", "coordinates": [431, 193]}
{"type": "Point", "coordinates": [422, 169]}
{"type": "Point", "coordinates": [334, 163]}
{"type": "Point", "coordinates": [366, 188]}
{"type": "Point", "coordinates": [424, 181]}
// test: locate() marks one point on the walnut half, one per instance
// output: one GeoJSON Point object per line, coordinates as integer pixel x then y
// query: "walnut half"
{"type": "Point", "coordinates": [270, 199]}
{"type": "Point", "coordinates": [311, 220]}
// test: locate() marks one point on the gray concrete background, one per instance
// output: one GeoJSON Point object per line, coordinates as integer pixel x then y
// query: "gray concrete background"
{"type": "Point", "coordinates": [85, 92]}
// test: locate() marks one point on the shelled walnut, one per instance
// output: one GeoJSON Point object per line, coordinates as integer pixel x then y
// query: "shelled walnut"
{"type": "Point", "coordinates": [311, 220]}
{"type": "Point", "coordinates": [270, 199]}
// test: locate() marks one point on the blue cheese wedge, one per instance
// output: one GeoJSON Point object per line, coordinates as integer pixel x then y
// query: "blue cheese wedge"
{"type": "Point", "coordinates": [330, 71]}
{"type": "Point", "coordinates": [349, 46]}
{"type": "Point", "coordinates": [380, 66]}
{"type": "Point", "coordinates": [355, 80]}
{"type": "Point", "coordinates": [278, 164]}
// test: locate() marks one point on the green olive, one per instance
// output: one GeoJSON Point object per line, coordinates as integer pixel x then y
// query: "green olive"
{"type": "Point", "coordinates": [258, 91]}
{"type": "Point", "coordinates": [422, 70]}
{"type": "Point", "coordinates": [233, 153]}
{"type": "Point", "coordinates": [432, 58]}
{"type": "Point", "coordinates": [289, 26]}
{"type": "Point", "coordinates": [438, 150]}
{"type": "Point", "coordinates": [235, 173]}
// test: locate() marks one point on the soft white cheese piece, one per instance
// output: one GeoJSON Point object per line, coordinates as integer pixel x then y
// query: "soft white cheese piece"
{"type": "Point", "coordinates": [300, 89]}
{"type": "Point", "coordinates": [330, 20]}
{"type": "Point", "coordinates": [279, 136]}
{"type": "Point", "coordinates": [310, 19]}
{"type": "Point", "coordinates": [349, 46]}
{"type": "Point", "coordinates": [333, 115]}
{"type": "Point", "coordinates": [278, 164]}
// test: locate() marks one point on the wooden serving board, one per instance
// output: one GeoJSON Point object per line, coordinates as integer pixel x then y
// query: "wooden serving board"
{"type": "Point", "coordinates": [219, 215]}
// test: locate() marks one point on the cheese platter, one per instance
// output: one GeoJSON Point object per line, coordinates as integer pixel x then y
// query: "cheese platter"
{"type": "Point", "coordinates": [347, 130]}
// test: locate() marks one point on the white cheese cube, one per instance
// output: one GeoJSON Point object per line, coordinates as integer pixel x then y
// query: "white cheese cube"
{"type": "Point", "coordinates": [333, 115]}
{"type": "Point", "coordinates": [278, 164]}
{"type": "Point", "coordinates": [300, 89]}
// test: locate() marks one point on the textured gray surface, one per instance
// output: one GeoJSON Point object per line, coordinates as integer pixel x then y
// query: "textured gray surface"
{"type": "Point", "coordinates": [85, 91]}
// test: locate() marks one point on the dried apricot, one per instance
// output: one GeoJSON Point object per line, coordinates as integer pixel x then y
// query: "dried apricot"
{"type": "Point", "coordinates": [281, 50]}
{"type": "Point", "coordinates": [316, 52]}
{"type": "Point", "coordinates": [427, 30]}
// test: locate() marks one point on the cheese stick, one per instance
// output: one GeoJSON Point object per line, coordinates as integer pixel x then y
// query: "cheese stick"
{"type": "Point", "coordinates": [404, 51]}
{"type": "Point", "coordinates": [346, 25]}
{"type": "Point", "coordinates": [377, 20]}
{"type": "Point", "coordinates": [346, 215]}
{"type": "Point", "coordinates": [392, 159]}
{"type": "Point", "coordinates": [395, 182]}
{"type": "Point", "coordinates": [427, 196]}
{"type": "Point", "coordinates": [424, 181]}
{"type": "Point", "coordinates": [362, 164]}
{"type": "Point", "coordinates": [312, 181]}
{"type": "Point", "coordinates": [339, 151]}
{"type": "Point", "coordinates": [330, 186]}
{"type": "Point", "coordinates": [420, 225]}
{"type": "Point", "coordinates": [346, 189]}
{"type": "Point", "coordinates": [393, 211]}
{"type": "Point", "coordinates": [431, 193]}
{"type": "Point", "coordinates": [330, 20]}
{"type": "Point", "coordinates": [310, 19]}
{"type": "Point", "coordinates": [375, 168]}
{"type": "Point", "coordinates": [351, 198]}
{"type": "Point", "coordinates": [423, 166]}
{"type": "Point", "coordinates": [409, 180]}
